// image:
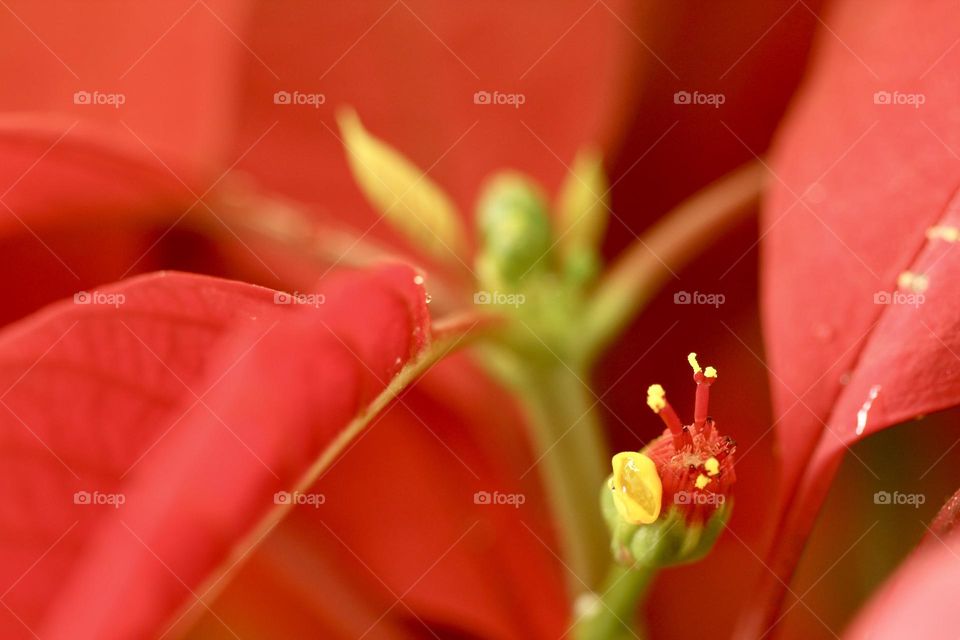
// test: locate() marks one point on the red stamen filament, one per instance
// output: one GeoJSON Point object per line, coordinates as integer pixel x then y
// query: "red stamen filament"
{"type": "Point", "coordinates": [672, 420]}
{"type": "Point", "coordinates": [701, 407]}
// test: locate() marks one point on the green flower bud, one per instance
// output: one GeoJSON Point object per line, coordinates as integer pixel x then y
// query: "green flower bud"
{"type": "Point", "coordinates": [582, 211]}
{"type": "Point", "coordinates": [581, 265]}
{"type": "Point", "coordinates": [514, 230]}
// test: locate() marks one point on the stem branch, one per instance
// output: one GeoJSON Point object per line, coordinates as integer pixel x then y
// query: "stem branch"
{"type": "Point", "coordinates": [572, 463]}
{"type": "Point", "coordinates": [670, 244]}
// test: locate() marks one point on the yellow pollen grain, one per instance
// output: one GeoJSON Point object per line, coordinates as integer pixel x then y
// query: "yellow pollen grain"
{"type": "Point", "coordinates": [656, 398]}
{"type": "Point", "coordinates": [712, 466]}
{"type": "Point", "coordinates": [943, 232]}
{"type": "Point", "coordinates": [692, 359]}
{"type": "Point", "coordinates": [710, 372]}
{"type": "Point", "coordinates": [701, 481]}
{"type": "Point", "coordinates": [910, 281]}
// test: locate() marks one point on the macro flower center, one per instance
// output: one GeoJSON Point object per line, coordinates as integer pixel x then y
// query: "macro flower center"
{"type": "Point", "coordinates": [692, 464]}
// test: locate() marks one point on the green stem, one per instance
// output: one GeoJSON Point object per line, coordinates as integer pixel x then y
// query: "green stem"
{"type": "Point", "coordinates": [613, 615]}
{"type": "Point", "coordinates": [573, 465]}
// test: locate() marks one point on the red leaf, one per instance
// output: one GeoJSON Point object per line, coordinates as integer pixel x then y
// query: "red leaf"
{"type": "Point", "coordinates": [78, 209]}
{"type": "Point", "coordinates": [492, 568]}
{"type": "Point", "coordinates": [400, 520]}
{"type": "Point", "coordinates": [173, 64]}
{"type": "Point", "coordinates": [69, 166]}
{"type": "Point", "coordinates": [51, 168]}
{"type": "Point", "coordinates": [196, 399]}
{"type": "Point", "coordinates": [857, 182]}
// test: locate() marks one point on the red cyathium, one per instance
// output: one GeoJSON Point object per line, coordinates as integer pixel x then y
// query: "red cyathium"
{"type": "Point", "coordinates": [694, 462]}
{"type": "Point", "coordinates": [689, 467]}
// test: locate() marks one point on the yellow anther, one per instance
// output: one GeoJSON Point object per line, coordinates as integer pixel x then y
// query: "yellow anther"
{"type": "Point", "coordinates": [637, 490]}
{"type": "Point", "coordinates": [943, 232]}
{"type": "Point", "coordinates": [709, 372]}
{"type": "Point", "coordinates": [701, 481]}
{"type": "Point", "coordinates": [656, 398]}
{"type": "Point", "coordinates": [712, 466]}
{"type": "Point", "coordinates": [692, 359]}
